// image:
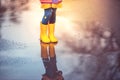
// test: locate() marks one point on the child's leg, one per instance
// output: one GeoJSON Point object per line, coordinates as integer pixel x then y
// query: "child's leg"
{"type": "Point", "coordinates": [51, 26]}
{"type": "Point", "coordinates": [44, 25]}
{"type": "Point", "coordinates": [52, 19]}
{"type": "Point", "coordinates": [47, 16]}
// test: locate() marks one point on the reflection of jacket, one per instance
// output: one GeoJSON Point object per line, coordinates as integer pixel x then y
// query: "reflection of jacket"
{"type": "Point", "coordinates": [50, 4]}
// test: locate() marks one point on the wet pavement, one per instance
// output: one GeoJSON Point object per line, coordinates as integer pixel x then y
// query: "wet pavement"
{"type": "Point", "coordinates": [22, 54]}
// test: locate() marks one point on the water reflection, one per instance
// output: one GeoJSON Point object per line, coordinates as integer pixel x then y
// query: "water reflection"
{"type": "Point", "coordinates": [105, 66]}
{"type": "Point", "coordinates": [49, 60]}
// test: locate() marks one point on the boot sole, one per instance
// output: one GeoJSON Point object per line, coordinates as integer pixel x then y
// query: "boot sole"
{"type": "Point", "coordinates": [44, 42]}
{"type": "Point", "coordinates": [48, 42]}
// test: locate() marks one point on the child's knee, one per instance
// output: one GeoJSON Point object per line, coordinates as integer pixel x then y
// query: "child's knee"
{"type": "Point", "coordinates": [48, 13]}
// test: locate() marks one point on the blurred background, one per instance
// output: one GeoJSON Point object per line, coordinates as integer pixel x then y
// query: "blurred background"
{"type": "Point", "coordinates": [88, 33]}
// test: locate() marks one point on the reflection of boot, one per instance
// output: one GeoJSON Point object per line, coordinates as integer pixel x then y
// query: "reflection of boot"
{"type": "Point", "coordinates": [51, 33]}
{"type": "Point", "coordinates": [52, 49]}
{"type": "Point", "coordinates": [49, 60]}
{"type": "Point", "coordinates": [44, 52]}
{"type": "Point", "coordinates": [43, 35]}
{"type": "Point", "coordinates": [48, 65]}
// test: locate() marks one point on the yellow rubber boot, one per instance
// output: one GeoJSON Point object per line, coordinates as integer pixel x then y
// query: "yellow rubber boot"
{"type": "Point", "coordinates": [43, 35]}
{"type": "Point", "coordinates": [51, 28]}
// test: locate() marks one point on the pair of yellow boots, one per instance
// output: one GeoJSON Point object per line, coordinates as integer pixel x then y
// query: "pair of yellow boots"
{"type": "Point", "coordinates": [47, 33]}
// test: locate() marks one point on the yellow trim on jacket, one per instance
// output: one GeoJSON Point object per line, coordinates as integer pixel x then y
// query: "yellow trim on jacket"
{"type": "Point", "coordinates": [45, 6]}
